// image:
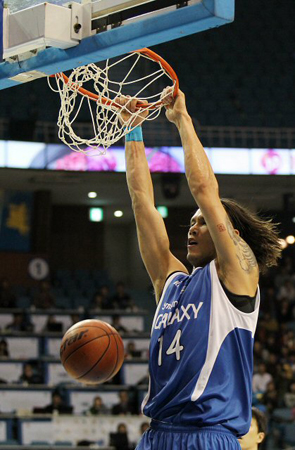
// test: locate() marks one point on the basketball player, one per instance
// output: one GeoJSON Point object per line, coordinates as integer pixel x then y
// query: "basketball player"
{"type": "Point", "coordinates": [202, 335]}
{"type": "Point", "coordinates": [257, 432]}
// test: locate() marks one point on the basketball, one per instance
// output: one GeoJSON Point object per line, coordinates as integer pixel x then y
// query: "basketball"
{"type": "Point", "coordinates": [92, 351]}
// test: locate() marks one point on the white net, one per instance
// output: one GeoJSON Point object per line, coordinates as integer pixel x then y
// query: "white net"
{"type": "Point", "coordinates": [90, 92]}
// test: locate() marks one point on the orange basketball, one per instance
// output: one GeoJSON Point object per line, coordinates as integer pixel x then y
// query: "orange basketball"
{"type": "Point", "coordinates": [92, 351]}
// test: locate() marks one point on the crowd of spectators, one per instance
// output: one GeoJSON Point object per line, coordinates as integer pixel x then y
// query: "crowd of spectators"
{"type": "Point", "coordinates": [274, 349]}
{"type": "Point", "coordinates": [43, 297]}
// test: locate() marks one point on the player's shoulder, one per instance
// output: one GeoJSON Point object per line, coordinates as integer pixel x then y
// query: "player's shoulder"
{"type": "Point", "coordinates": [176, 276]}
{"type": "Point", "coordinates": [173, 279]}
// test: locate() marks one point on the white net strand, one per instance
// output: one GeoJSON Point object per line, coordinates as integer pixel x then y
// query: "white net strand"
{"type": "Point", "coordinates": [103, 110]}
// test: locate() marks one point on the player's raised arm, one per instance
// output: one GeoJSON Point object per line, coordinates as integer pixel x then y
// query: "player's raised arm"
{"type": "Point", "coordinates": [151, 231]}
{"type": "Point", "coordinates": [236, 263]}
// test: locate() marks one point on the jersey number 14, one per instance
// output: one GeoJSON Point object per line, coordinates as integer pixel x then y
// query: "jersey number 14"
{"type": "Point", "coordinates": [175, 347]}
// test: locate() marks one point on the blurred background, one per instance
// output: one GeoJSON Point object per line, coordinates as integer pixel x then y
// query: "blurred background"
{"type": "Point", "coordinates": [68, 247]}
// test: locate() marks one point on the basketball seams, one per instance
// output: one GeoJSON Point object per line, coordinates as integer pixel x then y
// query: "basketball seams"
{"type": "Point", "coordinates": [116, 335]}
{"type": "Point", "coordinates": [85, 343]}
{"type": "Point", "coordinates": [117, 357]}
{"type": "Point", "coordinates": [98, 361]}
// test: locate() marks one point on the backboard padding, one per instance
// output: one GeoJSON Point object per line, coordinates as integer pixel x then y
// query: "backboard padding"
{"type": "Point", "coordinates": [117, 41]}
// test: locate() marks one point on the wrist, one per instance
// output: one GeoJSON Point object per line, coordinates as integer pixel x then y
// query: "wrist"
{"type": "Point", "coordinates": [134, 135]}
{"type": "Point", "coordinates": [183, 119]}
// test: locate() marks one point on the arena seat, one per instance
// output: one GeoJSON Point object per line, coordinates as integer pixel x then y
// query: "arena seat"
{"type": "Point", "coordinates": [283, 414]}
{"type": "Point", "coordinates": [289, 433]}
{"type": "Point", "coordinates": [8, 442]}
{"type": "Point", "coordinates": [63, 443]}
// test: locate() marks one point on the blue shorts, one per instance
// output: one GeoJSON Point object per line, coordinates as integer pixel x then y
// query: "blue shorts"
{"type": "Point", "coordinates": [162, 436]}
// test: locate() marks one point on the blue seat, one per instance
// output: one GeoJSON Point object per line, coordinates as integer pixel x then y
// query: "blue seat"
{"type": "Point", "coordinates": [63, 443]}
{"type": "Point", "coordinates": [82, 274]}
{"type": "Point", "coordinates": [289, 433]}
{"type": "Point", "coordinates": [63, 273]}
{"type": "Point", "coordinates": [284, 414]}
{"type": "Point", "coordinates": [63, 302]}
{"type": "Point", "coordinates": [9, 442]}
{"type": "Point", "coordinates": [291, 326]}
{"type": "Point", "coordinates": [40, 443]}
{"type": "Point", "coordinates": [23, 301]}
{"type": "Point", "coordinates": [80, 301]}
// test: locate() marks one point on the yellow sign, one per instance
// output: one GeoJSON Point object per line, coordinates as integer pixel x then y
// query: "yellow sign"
{"type": "Point", "coordinates": [18, 218]}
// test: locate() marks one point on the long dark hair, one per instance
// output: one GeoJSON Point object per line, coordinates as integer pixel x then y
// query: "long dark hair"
{"type": "Point", "coordinates": [262, 235]}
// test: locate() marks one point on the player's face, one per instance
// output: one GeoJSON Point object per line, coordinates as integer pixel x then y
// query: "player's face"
{"type": "Point", "coordinates": [200, 247]}
{"type": "Point", "coordinates": [251, 440]}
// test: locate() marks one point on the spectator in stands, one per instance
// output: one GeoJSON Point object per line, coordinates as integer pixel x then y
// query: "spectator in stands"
{"type": "Point", "coordinates": [284, 312]}
{"type": "Point", "coordinates": [98, 303]}
{"type": "Point", "coordinates": [98, 407]}
{"type": "Point", "coordinates": [272, 364]}
{"type": "Point", "coordinates": [125, 405]}
{"type": "Point", "coordinates": [272, 343]}
{"type": "Point", "coordinates": [107, 301]}
{"type": "Point", "coordinates": [289, 397]}
{"type": "Point", "coordinates": [271, 397]}
{"type": "Point", "coordinates": [75, 318]}
{"type": "Point", "coordinates": [288, 265]}
{"type": "Point", "coordinates": [85, 443]}
{"type": "Point", "coordinates": [4, 352]}
{"type": "Point", "coordinates": [30, 375]}
{"type": "Point", "coordinates": [261, 379]}
{"type": "Point", "coordinates": [287, 291]}
{"type": "Point", "coordinates": [57, 405]}
{"type": "Point", "coordinates": [20, 322]}
{"type": "Point", "coordinates": [256, 435]}
{"type": "Point", "coordinates": [269, 323]}
{"type": "Point", "coordinates": [44, 298]}
{"type": "Point", "coordinates": [132, 351]}
{"type": "Point", "coordinates": [121, 299]}
{"type": "Point", "coordinates": [52, 325]}
{"type": "Point", "coordinates": [285, 376]}
{"type": "Point", "coordinates": [268, 300]}
{"type": "Point", "coordinates": [288, 340]}
{"type": "Point", "coordinates": [281, 276]}
{"type": "Point", "coordinates": [7, 298]}
{"type": "Point", "coordinates": [119, 440]}
{"type": "Point", "coordinates": [116, 323]}
{"type": "Point", "coordinates": [258, 353]}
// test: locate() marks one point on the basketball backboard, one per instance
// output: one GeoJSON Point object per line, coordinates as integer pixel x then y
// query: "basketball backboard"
{"type": "Point", "coordinates": [41, 39]}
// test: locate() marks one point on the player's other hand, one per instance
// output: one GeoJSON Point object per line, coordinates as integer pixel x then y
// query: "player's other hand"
{"type": "Point", "coordinates": [129, 107]}
{"type": "Point", "coordinates": [175, 106]}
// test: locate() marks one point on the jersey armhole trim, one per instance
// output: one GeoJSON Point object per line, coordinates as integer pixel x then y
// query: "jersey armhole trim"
{"type": "Point", "coordinates": [170, 275]}
{"type": "Point", "coordinates": [169, 279]}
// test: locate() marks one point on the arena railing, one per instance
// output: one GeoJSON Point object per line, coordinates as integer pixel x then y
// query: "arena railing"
{"type": "Point", "coordinates": [159, 134]}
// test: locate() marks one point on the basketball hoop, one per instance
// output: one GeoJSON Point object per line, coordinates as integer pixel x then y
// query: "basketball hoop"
{"type": "Point", "coordinates": [101, 99]}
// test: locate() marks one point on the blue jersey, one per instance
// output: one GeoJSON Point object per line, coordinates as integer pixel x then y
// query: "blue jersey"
{"type": "Point", "coordinates": [201, 355]}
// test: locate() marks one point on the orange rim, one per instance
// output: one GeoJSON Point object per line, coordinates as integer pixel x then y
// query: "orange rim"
{"type": "Point", "coordinates": [147, 52]}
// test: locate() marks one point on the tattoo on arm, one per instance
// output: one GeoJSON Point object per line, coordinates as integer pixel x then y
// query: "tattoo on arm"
{"type": "Point", "coordinates": [221, 227]}
{"type": "Point", "coordinates": [244, 253]}
{"type": "Point", "coordinates": [246, 258]}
